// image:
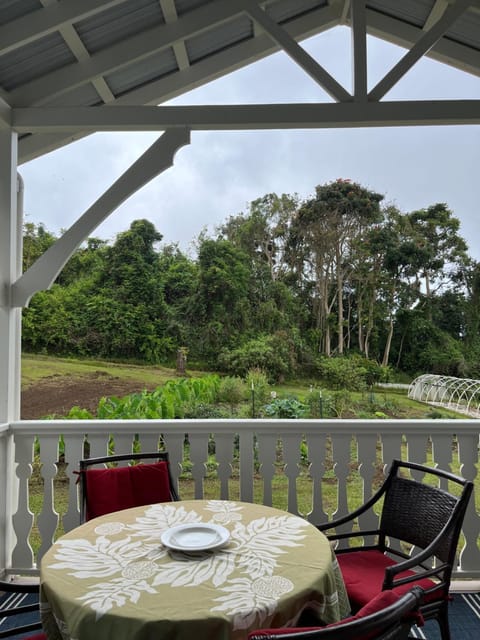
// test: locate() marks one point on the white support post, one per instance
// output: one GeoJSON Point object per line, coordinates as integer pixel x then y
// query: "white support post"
{"type": "Point", "coordinates": [10, 331]}
{"type": "Point", "coordinates": [10, 269]}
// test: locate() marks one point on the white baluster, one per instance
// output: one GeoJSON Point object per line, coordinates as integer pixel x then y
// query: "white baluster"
{"type": "Point", "coordinates": [391, 442]}
{"type": "Point", "coordinates": [198, 456]}
{"type": "Point", "coordinates": [417, 446]}
{"type": "Point", "coordinates": [74, 445]}
{"type": "Point", "coordinates": [367, 457]}
{"type": "Point", "coordinates": [291, 455]}
{"type": "Point", "coordinates": [317, 451]}
{"type": "Point", "coordinates": [468, 448]}
{"type": "Point", "coordinates": [341, 443]}
{"type": "Point", "coordinates": [98, 444]}
{"type": "Point", "coordinates": [174, 444]}
{"type": "Point", "coordinates": [246, 464]}
{"type": "Point", "coordinates": [442, 453]}
{"type": "Point", "coordinates": [223, 455]}
{"type": "Point", "coordinates": [266, 447]}
{"type": "Point", "coordinates": [48, 518]}
{"type": "Point", "coordinates": [123, 443]}
{"type": "Point", "coordinates": [22, 519]}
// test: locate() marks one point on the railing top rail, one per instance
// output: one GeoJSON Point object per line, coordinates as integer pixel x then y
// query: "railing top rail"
{"type": "Point", "coordinates": [430, 427]}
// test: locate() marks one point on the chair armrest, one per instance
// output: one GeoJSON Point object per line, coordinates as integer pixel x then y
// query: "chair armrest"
{"type": "Point", "coordinates": [354, 514]}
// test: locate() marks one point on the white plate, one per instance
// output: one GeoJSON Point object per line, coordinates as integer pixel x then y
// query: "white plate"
{"type": "Point", "coordinates": [195, 537]}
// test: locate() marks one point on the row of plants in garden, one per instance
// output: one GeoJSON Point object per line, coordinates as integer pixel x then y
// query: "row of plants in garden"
{"type": "Point", "coordinates": [213, 396]}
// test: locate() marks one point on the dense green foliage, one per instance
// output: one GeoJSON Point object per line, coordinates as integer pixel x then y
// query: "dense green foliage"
{"type": "Point", "coordinates": [336, 286]}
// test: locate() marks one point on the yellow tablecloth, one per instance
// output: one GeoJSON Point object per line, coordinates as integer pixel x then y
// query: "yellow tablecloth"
{"type": "Point", "coordinates": [111, 578]}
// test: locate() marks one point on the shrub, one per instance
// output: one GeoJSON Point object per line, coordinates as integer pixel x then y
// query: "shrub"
{"type": "Point", "coordinates": [257, 382]}
{"type": "Point", "coordinates": [232, 391]}
{"type": "Point", "coordinates": [271, 354]}
{"type": "Point", "coordinates": [342, 400]}
{"type": "Point", "coordinates": [319, 404]}
{"type": "Point", "coordinates": [353, 372]}
{"type": "Point", "coordinates": [342, 373]}
{"type": "Point", "coordinates": [285, 408]}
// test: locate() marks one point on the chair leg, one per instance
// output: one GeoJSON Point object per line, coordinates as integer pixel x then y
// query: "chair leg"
{"type": "Point", "coordinates": [442, 620]}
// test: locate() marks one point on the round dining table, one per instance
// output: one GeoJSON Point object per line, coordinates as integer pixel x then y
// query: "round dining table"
{"type": "Point", "coordinates": [126, 576]}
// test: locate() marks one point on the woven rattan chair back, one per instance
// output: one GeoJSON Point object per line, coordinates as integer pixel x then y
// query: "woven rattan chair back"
{"type": "Point", "coordinates": [416, 513]}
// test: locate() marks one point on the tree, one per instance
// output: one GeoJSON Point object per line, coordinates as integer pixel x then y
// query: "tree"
{"type": "Point", "coordinates": [221, 305]}
{"type": "Point", "coordinates": [36, 240]}
{"type": "Point", "coordinates": [130, 280]}
{"type": "Point", "coordinates": [439, 245]}
{"type": "Point", "coordinates": [322, 242]}
{"type": "Point", "coordinates": [262, 232]}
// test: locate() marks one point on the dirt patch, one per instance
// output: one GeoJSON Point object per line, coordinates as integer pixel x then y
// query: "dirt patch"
{"type": "Point", "coordinates": [56, 395]}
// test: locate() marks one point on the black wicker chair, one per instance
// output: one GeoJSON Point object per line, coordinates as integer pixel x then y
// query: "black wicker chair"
{"type": "Point", "coordinates": [113, 488]}
{"type": "Point", "coordinates": [415, 541]}
{"type": "Point", "coordinates": [12, 608]}
{"type": "Point", "coordinates": [391, 622]}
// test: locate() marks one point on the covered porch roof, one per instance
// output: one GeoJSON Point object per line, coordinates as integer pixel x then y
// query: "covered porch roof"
{"type": "Point", "coordinates": [65, 65]}
{"type": "Point", "coordinates": [61, 61]}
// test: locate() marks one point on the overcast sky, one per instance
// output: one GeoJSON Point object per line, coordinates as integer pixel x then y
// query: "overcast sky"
{"type": "Point", "coordinates": [220, 173]}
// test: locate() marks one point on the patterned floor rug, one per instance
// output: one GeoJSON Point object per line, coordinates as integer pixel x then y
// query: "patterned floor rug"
{"type": "Point", "coordinates": [464, 617]}
{"type": "Point", "coordinates": [15, 600]}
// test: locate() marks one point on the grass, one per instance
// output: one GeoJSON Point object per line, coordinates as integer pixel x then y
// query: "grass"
{"type": "Point", "coordinates": [36, 368]}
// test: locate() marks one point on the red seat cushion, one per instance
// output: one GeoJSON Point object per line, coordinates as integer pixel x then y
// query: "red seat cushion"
{"type": "Point", "coordinates": [119, 488]}
{"type": "Point", "coordinates": [37, 636]}
{"type": "Point", "coordinates": [380, 601]}
{"type": "Point", "coordinates": [364, 572]}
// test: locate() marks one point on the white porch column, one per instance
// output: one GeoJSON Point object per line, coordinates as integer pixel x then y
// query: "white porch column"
{"type": "Point", "coordinates": [10, 329]}
{"type": "Point", "coordinates": [10, 269]}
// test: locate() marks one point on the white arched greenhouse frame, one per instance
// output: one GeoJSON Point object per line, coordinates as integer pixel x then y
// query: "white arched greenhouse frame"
{"type": "Point", "coordinates": [458, 394]}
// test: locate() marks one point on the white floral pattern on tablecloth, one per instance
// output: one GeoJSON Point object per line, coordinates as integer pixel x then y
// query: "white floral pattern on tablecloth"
{"type": "Point", "coordinates": [136, 563]}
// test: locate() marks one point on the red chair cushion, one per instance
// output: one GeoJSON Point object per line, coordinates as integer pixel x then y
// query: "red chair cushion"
{"type": "Point", "coordinates": [380, 601]}
{"type": "Point", "coordinates": [364, 571]}
{"type": "Point", "coordinates": [37, 636]}
{"type": "Point", "coordinates": [119, 488]}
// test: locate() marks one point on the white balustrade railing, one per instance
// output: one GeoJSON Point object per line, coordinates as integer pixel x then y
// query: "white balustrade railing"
{"type": "Point", "coordinates": [268, 459]}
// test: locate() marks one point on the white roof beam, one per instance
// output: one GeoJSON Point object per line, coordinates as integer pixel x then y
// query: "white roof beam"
{"type": "Point", "coordinates": [359, 50]}
{"type": "Point", "coordinates": [247, 117]}
{"type": "Point", "coordinates": [420, 48]}
{"type": "Point", "coordinates": [21, 31]}
{"type": "Point", "coordinates": [297, 53]}
{"type": "Point", "coordinates": [125, 52]}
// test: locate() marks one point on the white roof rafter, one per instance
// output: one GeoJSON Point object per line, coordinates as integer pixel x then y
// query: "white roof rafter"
{"type": "Point", "coordinates": [419, 49]}
{"type": "Point", "coordinates": [297, 53]}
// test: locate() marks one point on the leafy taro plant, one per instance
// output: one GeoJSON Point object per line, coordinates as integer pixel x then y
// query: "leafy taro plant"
{"type": "Point", "coordinates": [285, 408]}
